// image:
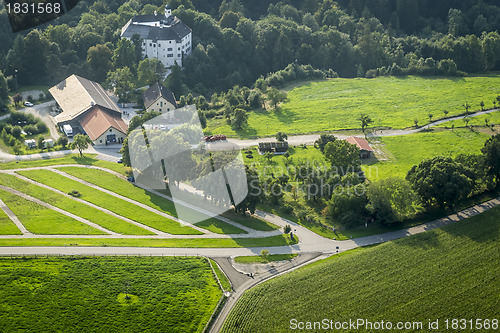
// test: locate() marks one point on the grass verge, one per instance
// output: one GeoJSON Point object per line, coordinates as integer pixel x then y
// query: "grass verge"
{"type": "Point", "coordinates": [279, 240]}
{"type": "Point", "coordinates": [7, 227]}
{"type": "Point", "coordinates": [260, 260]}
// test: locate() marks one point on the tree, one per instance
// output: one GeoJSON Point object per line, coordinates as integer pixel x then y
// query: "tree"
{"type": "Point", "coordinates": [268, 156]}
{"type": "Point", "coordinates": [151, 71]}
{"type": "Point", "coordinates": [491, 153]}
{"type": "Point", "coordinates": [482, 105]}
{"type": "Point", "coordinates": [392, 200]}
{"type": "Point", "coordinates": [347, 205]}
{"type": "Point", "coordinates": [264, 254]}
{"type": "Point", "coordinates": [466, 119]}
{"type": "Point", "coordinates": [287, 229]}
{"type": "Point", "coordinates": [254, 196]}
{"type": "Point", "coordinates": [239, 118]}
{"type": "Point", "coordinates": [4, 91]}
{"type": "Point", "coordinates": [365, 121]}
{"type": "Point", "coordinates": [99, 60]}
{"type": "Point", "coordinates": [125, 55]}
{"type": "Point", "coordinates": [175, 81]}
{"type": "Point", "coordinates": [343, 156]}
{"type": "Point", "coordinates": [16, 131]}
{"type": "Point", "coordinates": [274, 96]}
{"type": "Point", "coordinates": [446, 113]}
{"type": "Point", "coordinates": [467, 107]}
{"type": "Point", "coordinates": [121, 80]}
{"type": "Point", "coordinates": [40, 142]}
{"type": "Point", "coordinates": [63, 141]}
{"type": "Point", "coordinates": [17, 99]}
{"type": "Point", "coordinates": [323, 140]}
{"type": "Point", "coordinates": [430, 115]}
{"type": "Point", "coordinates": [81, 142]}
{"type": "Point", "coordinates": [280, 136]}
{"type": "Point", "coordinates": [440, 180]}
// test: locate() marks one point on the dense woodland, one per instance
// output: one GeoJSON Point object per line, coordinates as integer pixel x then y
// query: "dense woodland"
{"type": "Point", "coordinates": [237, 41]}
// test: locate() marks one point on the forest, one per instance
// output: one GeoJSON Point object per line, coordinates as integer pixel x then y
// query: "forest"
{"type": "Point", "coordinates": [238, 41]}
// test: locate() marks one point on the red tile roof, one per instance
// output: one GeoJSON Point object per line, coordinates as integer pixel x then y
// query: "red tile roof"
{"type": "Point", "coordinates": [97, 122]}
{"type": "Point", "coordinates": [361, 143]}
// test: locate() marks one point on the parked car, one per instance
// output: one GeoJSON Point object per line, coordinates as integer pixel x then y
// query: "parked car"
{"type": "Point", "coordinates": [131, 179]}
{"type": "Point", "coordinates": [28, 104]}
{"type": "Point", "coordinates": [120, 160]}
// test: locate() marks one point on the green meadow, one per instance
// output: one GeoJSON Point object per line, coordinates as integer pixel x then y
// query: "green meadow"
{"type": "Point", "coordinates": [394, 102]}
{"type": "Point", "coordinates": [402, 152]}
{"type": "Point", "coordinates": [441, 274]}
{"type": "Point", "coordinates": [102, 294]}
{"type": "Point", "coordinates": [7, 227]}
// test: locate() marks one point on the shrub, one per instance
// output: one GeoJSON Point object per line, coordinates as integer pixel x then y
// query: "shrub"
{"type": "Point", "coordinates": [74, 193]}
{"type": "Point", "coordinates": [249, 156]}
{"type": "Point", "coordinates": [287, 209]}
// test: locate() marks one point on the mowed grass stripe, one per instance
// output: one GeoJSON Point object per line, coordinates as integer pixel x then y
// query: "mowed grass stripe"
{"type": "Point", "coordinates": [109, 202]}
{"type": "Point", "coordinates": [118, 185]}
{"type": "Point", "coordinates": [44, 221]}
{"type": "Point", "coordinates": [441, 274]}
{"type": "Point", "coordinates": [7, 227]}
{"type": "Point", "coordinates": [89, 213]}
{"type": "Point", "coordinates": [122, 187]}
{"type": "Point", "coordinates": [279, 240]}
{"type": "Point", "coordinates": [219, 227]}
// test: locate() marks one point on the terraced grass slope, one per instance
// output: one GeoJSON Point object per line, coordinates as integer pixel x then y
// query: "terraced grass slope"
{"type": "Point", "coordinates": [390, 101]}
{"type": "Point", "coordinates": [7, 227]}
{"type": "Point", "coordinates": [110, 182]}
{"type": "Point", "coordinates": [89, 294]}
{"type": "Point", "coordinates": [441, 274]}
{"type": "Point", "coordinates": [58, 200]}
{"type": "Point", "coordinates": [41, 220]}
{"type": "Point", "coordinates": [116, 205]}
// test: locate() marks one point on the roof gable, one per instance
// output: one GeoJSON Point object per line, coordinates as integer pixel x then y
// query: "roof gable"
{"type": "Point", "coordinates": [155, 92]}
{"type": "Point", "coordinates": [97, 122]}
{"type": "Point", "coordinates": [76, 95]}
{"type": "Point", "coordinates": [362, 144]}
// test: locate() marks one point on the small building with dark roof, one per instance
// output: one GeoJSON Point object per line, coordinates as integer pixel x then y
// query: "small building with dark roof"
{"type": "Point", "coordinates": [273, 147]}
{"type": "Point", "coordinates": [164, 37]}
{"type": "Point", "coordinates": [158, 98]}
{"type": "Point", "coordinates": [104, 128]}
{"type": "Point", "coordinates": [365, 150]}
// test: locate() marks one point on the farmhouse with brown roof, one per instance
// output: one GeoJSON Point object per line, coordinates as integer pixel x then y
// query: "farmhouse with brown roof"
{"type": "Point", "coordinates": [87, 108]}
{"type": "Point", "coordinates": [365, 150]}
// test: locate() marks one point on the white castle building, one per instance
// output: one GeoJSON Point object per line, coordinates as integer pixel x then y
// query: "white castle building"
{"type": "Point", "coordinates": [165, 38]}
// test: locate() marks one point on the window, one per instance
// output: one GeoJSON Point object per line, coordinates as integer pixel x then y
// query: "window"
{"type": "Point", "coordinates": [161, 104]}
{"type": "Point", "coordinates": [178, 49]}
{"type": "Point", "coordinates": [179, 55]}
{"type": "Point", "coordinates": [100, 141]}
{"type": "Point", "coordinates": [150, 44]}
{"type": "Point", "coordinates": [159, 44]}
{"type": "Point", "coordinates": [170, 55]}
{"type": "Point", "coordinates": [170, 49]}
{"type": "Point", "coordinates": [110, 130]}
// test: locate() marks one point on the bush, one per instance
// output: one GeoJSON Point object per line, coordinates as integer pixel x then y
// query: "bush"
{"type": "Point", "coordinates": [74, 193]}
{"type": "Point", "coordinates": [16, 131]}
{"type": "Point", "coordinates": [287, 209]}
{"type": "Point", "coordinates": [249, 156]}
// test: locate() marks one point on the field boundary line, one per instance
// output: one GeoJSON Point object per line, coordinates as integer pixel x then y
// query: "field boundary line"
{"type": "Point", "coordinates": [13, 218]}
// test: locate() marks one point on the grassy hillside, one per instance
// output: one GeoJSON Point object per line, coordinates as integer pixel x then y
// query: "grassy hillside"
{"type": "Point", "coordinates": [390, 101]}
{"type": "Point", "coordinates": [448, 273]}
{"type": "Point", "coordinates": [402, 152]}
{"type": "Point", "coordinates": [89, 294]}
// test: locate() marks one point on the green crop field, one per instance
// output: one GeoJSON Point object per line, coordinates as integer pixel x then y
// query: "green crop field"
{"type": "Point", "coordinates": [107, 201]}
{"type": "Point", "coordinates": [408, 150]}
{"type": "Point", "coordinates": [441, 274]}
{"type": "Point", "coordinates": [395, 102]}
{"type": "Point", "coordinates": [7, 227]}
{"type": "Point", "coordinates": [89, 294]}
{"type": "Point", "coordinates": [41, 220]}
